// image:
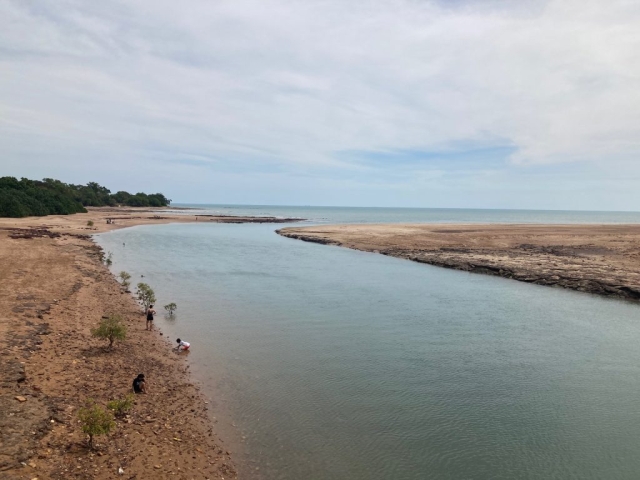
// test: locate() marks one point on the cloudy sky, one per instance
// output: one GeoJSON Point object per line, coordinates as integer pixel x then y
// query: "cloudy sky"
{"type": "Point", "coordinates": [444, 103]}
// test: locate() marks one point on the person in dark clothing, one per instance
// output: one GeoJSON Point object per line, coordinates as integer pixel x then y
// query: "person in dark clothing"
{"type": "Point", "coordinates": [139, 384]}
{"type": "Point", "coordinates": [150, 313]}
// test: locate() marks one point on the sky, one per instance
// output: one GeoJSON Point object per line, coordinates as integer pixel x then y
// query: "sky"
{"type": "Point", "coordinates": [415, 103]}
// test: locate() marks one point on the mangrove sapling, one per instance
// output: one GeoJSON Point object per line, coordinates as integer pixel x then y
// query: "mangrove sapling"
{"type": "Point", "coordinates": [122, 405]}
{"type": "Point", "coordinates": [124, 279]}
{"type": "Point", "coordinates": [146, 295]}
{"type": "Point", "coordinates": [110, 328]}
{"type": "Point", "coordinates": [95, 420]}
{"type": "Point", "coordinates": [172, 307]}
{"type": "Point", "coordinates": [108, 262]}
{"type": "Point", "coordinates": [90, 223]}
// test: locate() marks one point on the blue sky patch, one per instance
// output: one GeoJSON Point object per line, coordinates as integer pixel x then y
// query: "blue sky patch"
{"type": "Point", "coordinates": [452, 157]}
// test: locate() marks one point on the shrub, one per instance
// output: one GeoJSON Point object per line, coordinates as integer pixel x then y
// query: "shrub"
{"type": "Point", "coordinates": [124, 279]}
{"type": "Point", "coordinates": [110, 328]}
{"type": "Point", "coordinates": [90, 223]}
{"type": "Point", "coordinates": [122, 405]}
{"type": "Point", "coordinates": [95, 420]}
{"type": "Point", "coordinates": [146, 295]}
{"type": "Point", "coordinates": [172, 307]}
{"type": "Point", "coordinates": [108, 262]}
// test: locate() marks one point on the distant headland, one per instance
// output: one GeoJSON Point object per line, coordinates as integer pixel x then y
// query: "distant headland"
{"type": "Point", "coordinates": [25, 198]}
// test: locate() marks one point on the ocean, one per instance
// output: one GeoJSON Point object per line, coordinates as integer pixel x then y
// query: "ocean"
{"type": "Point", "coordinates": [325, 215]}
{"type": "Point", "coordinates": [328, 363]}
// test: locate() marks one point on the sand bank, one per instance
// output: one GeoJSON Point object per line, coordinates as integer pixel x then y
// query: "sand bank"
{"type": "Point", "coordinates": [122, 217]}
{"type": "Point", "coordinates": [601, 259]}
{"type": "Point", "coordinates": [55, 289]}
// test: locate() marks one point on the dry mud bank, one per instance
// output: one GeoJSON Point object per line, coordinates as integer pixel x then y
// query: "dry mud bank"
{"type": "Point", "coordinates": [600, 259]}
{"type": "Point", "coordinates": [54, 290]}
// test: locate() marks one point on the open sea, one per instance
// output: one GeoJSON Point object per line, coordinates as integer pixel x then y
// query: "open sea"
{"type": "Point", "coordinates": [328, 363]}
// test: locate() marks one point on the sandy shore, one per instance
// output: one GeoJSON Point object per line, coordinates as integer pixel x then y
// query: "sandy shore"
{"type": "Point", "coordinates": [122, 217]}
{"type": "Point", "coordinates": [601, 259]}
{"type": "Point", "coordinates": [55, 289]}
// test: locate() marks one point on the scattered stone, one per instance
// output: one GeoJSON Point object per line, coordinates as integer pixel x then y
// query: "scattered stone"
{"type": "Point", "coordinates": [21, 399]}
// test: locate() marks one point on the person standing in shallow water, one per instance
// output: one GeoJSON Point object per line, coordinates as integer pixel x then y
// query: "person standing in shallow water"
{"type": "Point", "coordinates": [150, 313]}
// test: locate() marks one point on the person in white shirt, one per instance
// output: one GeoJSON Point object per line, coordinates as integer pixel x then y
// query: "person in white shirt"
{"type": "Point", "coordinates": [182, 345]}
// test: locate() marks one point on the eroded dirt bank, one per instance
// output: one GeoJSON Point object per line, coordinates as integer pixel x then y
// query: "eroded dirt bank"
{"type": "Point", "coordinates": [54, 290]}
{"type": "Point", "coordinates": [601, 259]}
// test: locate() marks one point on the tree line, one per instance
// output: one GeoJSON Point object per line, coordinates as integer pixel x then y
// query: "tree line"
{"type": "Point", "coordinates": [24, 197]}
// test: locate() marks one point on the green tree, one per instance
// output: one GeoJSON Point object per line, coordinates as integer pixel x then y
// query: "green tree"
{"type": "Point", "coordinates": [124, 279]}
{"type": "Point", "coordinates": [171, 307]}
{"type": "Point", "coordinates": [24, 197]}
{"type": "Point", "coordinates": [138, 200]}
{"type": "Point", "coordinates": [159, 199]}
{"type": "Point", "coordinates": [95, 421]}
{"type": "Point", "coordinates": [111, 328]}
{"type": "Point", "coordinates": [146, 295]}
{"type": "Point", "coordinates": [121, 197]}
{"type": "Point", "coordinates": [16, 204]}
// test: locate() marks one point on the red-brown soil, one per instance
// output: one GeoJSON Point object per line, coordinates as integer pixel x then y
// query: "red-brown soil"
{"type": "Point", "coordinates": [54, 290]}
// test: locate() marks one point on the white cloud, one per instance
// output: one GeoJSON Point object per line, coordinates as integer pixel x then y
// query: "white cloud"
{"type": "Point", "coordinates": [288, 85]}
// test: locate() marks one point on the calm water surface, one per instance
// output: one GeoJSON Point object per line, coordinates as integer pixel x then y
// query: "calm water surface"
{"type": "Point", "coordinates": [416, 215]}
{"type": "Point", "coordinates": [327, 363]}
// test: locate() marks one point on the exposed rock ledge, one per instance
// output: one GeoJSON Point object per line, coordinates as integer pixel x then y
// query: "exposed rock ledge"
{"type": "Point", "coordinates": [600, 259]}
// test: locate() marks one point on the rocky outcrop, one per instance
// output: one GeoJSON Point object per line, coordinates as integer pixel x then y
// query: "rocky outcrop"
{"type": "Point", "coordinates": [596, 259]}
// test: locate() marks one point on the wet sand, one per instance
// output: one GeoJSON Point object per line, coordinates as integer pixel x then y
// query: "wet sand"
{"type": "Point", "coordinates": [600, 259]}
{"type": "Point", "coordinates": [55, 289]}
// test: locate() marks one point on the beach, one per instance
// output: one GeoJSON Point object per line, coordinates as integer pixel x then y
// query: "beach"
{"type": "Point", "coordinates": [55, 289]}
{"type": "Point", "coordinates": [600, 259]}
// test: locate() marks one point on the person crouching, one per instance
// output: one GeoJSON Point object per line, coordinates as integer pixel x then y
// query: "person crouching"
{"type": "Point", "coordinates": [139, 384]}
{"type": "Point", "coordinates": [182, 345]}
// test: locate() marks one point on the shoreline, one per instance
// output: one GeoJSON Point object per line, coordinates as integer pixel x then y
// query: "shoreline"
{"type": "Point", "coordinates": [56, 289]}
{"type": "Point", "coordinates": [123, 217]}
{"type": "Point", "coordinates": [602, 259]}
